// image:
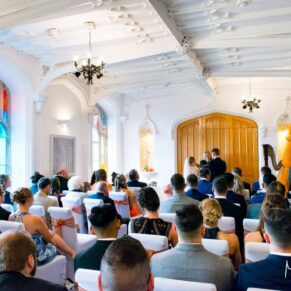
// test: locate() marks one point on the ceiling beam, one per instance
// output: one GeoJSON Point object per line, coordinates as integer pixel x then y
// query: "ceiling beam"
{"type": "Point", "coordinates": [179, 38]}
{"type": "Point", "coordinates": [250, 74]}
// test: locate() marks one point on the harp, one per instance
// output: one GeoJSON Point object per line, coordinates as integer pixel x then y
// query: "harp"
{"type": "Point", "coordinates": [269, 152]}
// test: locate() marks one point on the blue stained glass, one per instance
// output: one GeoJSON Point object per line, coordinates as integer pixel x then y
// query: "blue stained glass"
{"type": "Point", "coordinates": [5, 116]}
{"type": "Point", "coordinates": [2, 131]}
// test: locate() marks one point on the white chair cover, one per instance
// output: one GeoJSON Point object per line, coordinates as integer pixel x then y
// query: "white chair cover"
{"type": "Point", "coordinates": [11, 225]}
{"type": "Point", "coordinates": [169, 217]}
{"type": "Point", "coordinates": [216, 246]}
{"type": "Point", "coordinates": [87, 279]}
{"type": "Point", "coordinates": [152, 242]}
{"type": "Point", "coordinates": [227, 224]}
{"type": "Point", "coordinates": [89, 204]}
{"type": "Point", "coordinates": [54, 198]}
{"type": "Point", "coordinates": [37, 210]}
{"type": "Point", "coordinates": [7, 207]}
{"type": "Point", "coordinates": [54, 271]}
{"type": "Point", "coordinates": [122, 208]}
{"type": "Point", "coordinates": [256, 251]}
{"type": "Point", "coordinates": [250, 224]}
{"type": "Point", "coordinates": [259, 289]}
{"type": "Point", "coordinates": [76, 194]}
{"type": "Point", "coordinates": [122, 231]}
{"type": "Point", "coordinates": [164, 284]}
{"type": "Point", "coordinates": [70, 203]}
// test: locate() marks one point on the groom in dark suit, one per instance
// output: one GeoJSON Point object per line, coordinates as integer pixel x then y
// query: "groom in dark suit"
{"type": "Point", "coordinates": [217, 166]}
{"type": "Point", "coordinates": [275, 271]}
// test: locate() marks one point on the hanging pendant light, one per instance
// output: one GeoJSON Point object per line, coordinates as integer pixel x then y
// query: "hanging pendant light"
{"type": "Point", "coordinates": [251, 104]}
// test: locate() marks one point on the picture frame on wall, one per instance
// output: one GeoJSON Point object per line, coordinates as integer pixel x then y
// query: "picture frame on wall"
{"type": "Point", "coordinates": [63, 151]}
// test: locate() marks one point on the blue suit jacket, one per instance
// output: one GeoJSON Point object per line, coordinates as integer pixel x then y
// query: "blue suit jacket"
{"type": "Point", "coordinates": [258, 198]}
{"type": "Point", "coordinates": [101, 196]}
{"type": "Point", "coordinates": [272, 273]}
{"type": "Point", "coordinates": [195, 194]}
{"type": "Point", "coordinates": [204, 187]}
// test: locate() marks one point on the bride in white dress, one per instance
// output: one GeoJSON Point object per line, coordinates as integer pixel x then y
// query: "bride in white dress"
{"type": "Point", "coordinates": [190, 167]}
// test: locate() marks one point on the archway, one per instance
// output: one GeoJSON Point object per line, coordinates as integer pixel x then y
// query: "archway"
{"type": "Point", "coordinates": [237, 138]}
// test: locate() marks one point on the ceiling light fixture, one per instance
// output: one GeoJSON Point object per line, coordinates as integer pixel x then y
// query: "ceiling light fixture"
{"type": "Point", "coordinates": [251, 104]}
{"type": "Point", "coordinates": [87, 69]}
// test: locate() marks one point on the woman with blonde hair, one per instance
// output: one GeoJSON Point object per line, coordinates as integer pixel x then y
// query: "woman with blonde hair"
{"type": "Point", "coordinates": [271, 201]}
{"type": "Point", "coordinates": [190, 167]}
{"type": "Point", "coordinates": [212, 212]}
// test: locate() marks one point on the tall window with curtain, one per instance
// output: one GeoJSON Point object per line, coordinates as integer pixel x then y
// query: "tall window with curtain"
{"type": "Point", "coordinates": [99, 139]}
{"type": "Point", "coordinates": [4, 129]}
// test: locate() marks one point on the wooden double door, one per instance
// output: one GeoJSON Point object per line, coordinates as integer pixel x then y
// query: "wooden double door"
{"type": "Point", "coordinates": [236, 137]}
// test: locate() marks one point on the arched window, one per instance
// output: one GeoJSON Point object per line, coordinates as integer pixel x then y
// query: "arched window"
{"type": "Point", "coordinates": [4, 129]}
{"type": "Point", "coordinates": [99, 139]}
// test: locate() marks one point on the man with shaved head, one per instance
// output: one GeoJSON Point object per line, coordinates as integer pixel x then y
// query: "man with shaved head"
{"type": "Point", "coordinates": [125, 266]}
{"type": "Point", "coordinates": [18, 264]}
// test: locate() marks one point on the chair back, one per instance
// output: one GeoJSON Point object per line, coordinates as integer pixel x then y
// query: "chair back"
{"type": "Point", "coordinates": [121, 207]}
{"type": "Point", "coordinates": [69, 234]}
{"type": "Point", "coordinates": [76, 194]}
{"type": "Point", "coordinates": [227, 224]}
{"type": "Point", "coordinates": [37, 210]}
{"type": "Point", "coordinates": [134, 190]}
{"type": "Point", "coordinates": [151, 241]}
{"type": "Point", "coordinates": [11, 225]}
{"type": "Point", "coordinates": [250, 225]}
{"type": "Point", "coordinates": [89, 204]}
{"type": "Point", "coordinates": [76, 205]}
{"type": "Point", "coordinates": [54, 198]}
{"type": "Point", "coordinates": [259, 289]}
{"type": "Point", "coordinates": [256, 251]}
{"type": "Point", "coordinates": [122, 231]}
{"type": "Point", "coordinates": [87, 279]}
{"type": "Point", "coordinates": [216, 246]}
{"type": "Point", "coordinates": [164, 284]}
{"type": "Point", "coordinates": [169, 217]}
{"type": "Point", "coordinates": [7, 207]}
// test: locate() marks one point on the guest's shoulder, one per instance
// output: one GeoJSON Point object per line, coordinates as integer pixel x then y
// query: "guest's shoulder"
{"type": "Point", "coordinates": [45, 285]}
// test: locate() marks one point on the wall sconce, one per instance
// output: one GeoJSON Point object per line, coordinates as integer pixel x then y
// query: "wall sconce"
{"type": "Point", "coordinates": [62, 123]}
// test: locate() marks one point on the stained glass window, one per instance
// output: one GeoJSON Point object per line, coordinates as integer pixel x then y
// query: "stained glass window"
{"type": "Point", "coordinates": [4, 129]}
{"type": "Point", "coordinates": [99, 139]}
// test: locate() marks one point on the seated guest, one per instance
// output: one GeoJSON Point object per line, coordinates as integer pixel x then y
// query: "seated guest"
{"type": "Point", "coordinates": [134, 180]}
{"type": "Point", "coordinates": [63, 176]}
{"type": "Point", "coordinates": [232, 196]}
{"type": "Point", "coordinates": [121, 186]}
{"type": "Point", "coordinates": [273, 272]}
{"type": "Point", "coordinates": [102, 193]}
{"type": "Point", "coordinates": [179, 198]}
{"type": "Point", "coordinates": [259, 197]}
{"type": "Point", "coordinates": [206, 159]}
{"type": "Point", "coordinates": [204, 185]}
{"type": "Point", "coordinates": [125, 266]}
{"type": "Point", "coordinates": [217, 166]}
{"type": "Point", "coordinates": [34, 180]}
{"type": "Point", "coordinates": [6, 183]}
{"type": "Point", "coordinates": [46, 241]}
{"type": "Point", "coordinates": [192, 182]}
{"type": "Point", "coordinates": [4, 214]}
{"type": "Point", "coordinates": [105, 225]}
{"type": "Point", "coordinates": [99, 176]}
{"type": "Point", "coordinates": [18, 265]}
{"type": "Point", "coordinates": [211, 212]}
{"type": "Point", "coordinates": [56, 189]}
{"type": "Point", "coordinates": [256, 186]}
{"type": "Point", "coordinates": [220, 188]}
{"type": "Point", "coordinates": [238, 172]}
{"type": "Point", "coordinates": [150, 223]}
{"type": "Point", "coordinates": [189, 260]}
{"type": "Point", "coordinates": [271, 201]}
{"type": "Point", "coordinates": [75, 184]}
{"type": "Point", "coordinates": [41, 198]}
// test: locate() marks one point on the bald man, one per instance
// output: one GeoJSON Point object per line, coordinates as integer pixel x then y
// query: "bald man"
{"type": "Point", "coordinates": [18, 265]}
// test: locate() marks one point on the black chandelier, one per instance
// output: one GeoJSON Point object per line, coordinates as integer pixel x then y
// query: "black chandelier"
{"type": "Point", "coordinates": [87, 69]}
{"type": "Point", "coordinates": [251, 104]}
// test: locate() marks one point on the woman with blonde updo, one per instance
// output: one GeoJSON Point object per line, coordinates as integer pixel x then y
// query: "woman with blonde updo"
{"type": "Point", "coordinates": [211, 211]}
{"type": "Point", "coordinates": [46, 241]}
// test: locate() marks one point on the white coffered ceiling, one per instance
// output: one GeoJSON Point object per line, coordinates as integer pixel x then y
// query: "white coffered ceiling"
{"type": "Point", "coordinates": [154, 43]}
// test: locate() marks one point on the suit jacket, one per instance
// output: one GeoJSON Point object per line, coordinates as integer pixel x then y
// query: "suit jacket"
{"type": "Point", "coordinates": [217, 167]}
{"type": "Point", "coordinates": [16, 281]}
{"type": "Point", "coordinates": [7, 198]}
{"type": "Point", "coordinates": [272, 273]}
{"type": "Point", "coordinates": [258, 198]}
{"type": "Point", "coordinates": [136, 184]}
{"type": "Point", "coordinates": [254, 210]}
{"type": "Point", "coordinates": [237, 198]}
{"type": "Point", "coordinates": [247, 186]}
{"type": "Point", "coordinates": [175, 202]}
{"type": "Point", "coordinates": [256, 187]}
{"type": "Point", "coordinates": [101, 196]}
{"type": "Point", "coordinates": [192, 262]}
{"type": "Point", "coordinates": [4, 214]}
{"type": "Point", "coordinates": [204, 187]}
{"type": "Point", "coordinates": [91, 258]}
{"type": "Point", "coordinates": [63, 183]}
{"type": "Point", "coordinates": [195, 194]}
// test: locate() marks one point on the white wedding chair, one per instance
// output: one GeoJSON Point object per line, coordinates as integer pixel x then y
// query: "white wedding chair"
{"type": "Point", "coordinates": [54, 198]}
{"type": "Point", "coordinates": [89, 204]}
{"type": "Point", "coordinates": [7, 207]}
{"type": "Point", "coordinates": [76, 194]}
{"type": "Point", "coordinates": [76, 205]}
{"type": "Point", "coordinates": [216, 246]}
{"type": "Point", "coordinates": [259, 289]}
{"type": "Point", "coordinates": [11, 225]}
{"type": "Point", "coordinates": [256, 251]}
{"type": "Point", "coordinates": [152, 242]}
{"type": "Point", "coordinates": [227, 224]}
{"type": "Point", "coordinates": [169, 217]}
{"type": "Point", "coordinates": [37, 210]}
{"type": "Point", "coordinates": [122, 208]}
{"type": "Point", "coordinates": [77, 241]}
{"type": "Point", "coordinates": [250, 225]}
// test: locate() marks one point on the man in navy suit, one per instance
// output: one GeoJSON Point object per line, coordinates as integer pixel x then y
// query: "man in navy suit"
{"type": "Point", "coordinates": [259, 197]}
{"type": "Point", "coordinates": [217, 166]}
{"type": "Point", "coordinates": [192, 182]}
{"type": "Point", "coordinates": [204, 185]}
{"type": "Point", "coordinates": [134, 180]}
{"type": "Point", "coordinates": [274, 272]}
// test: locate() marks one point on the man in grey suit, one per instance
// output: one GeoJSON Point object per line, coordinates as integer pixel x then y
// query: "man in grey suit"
{"type": "Point", "coordinates": [189, 260]}
{"type": "Point", "coordinates": [179, 198]}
